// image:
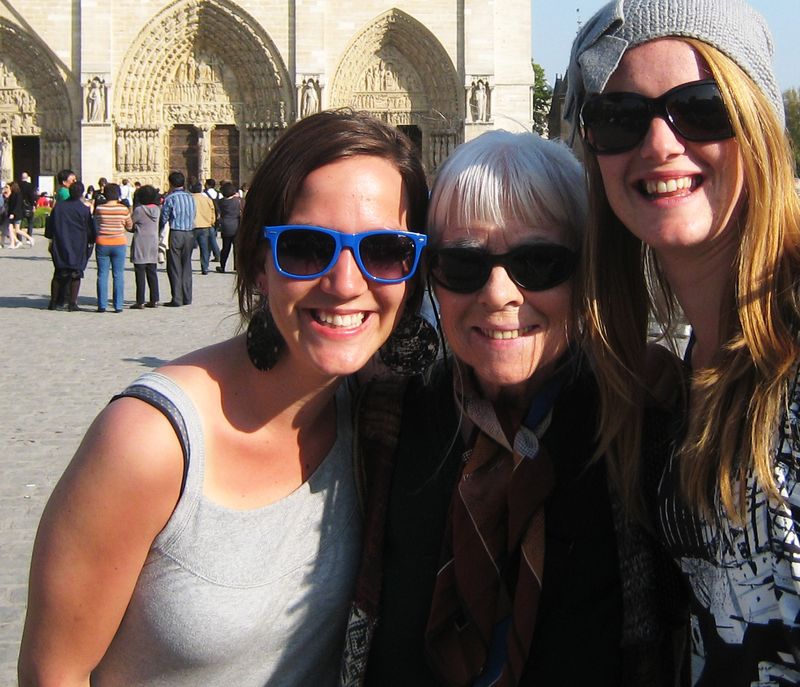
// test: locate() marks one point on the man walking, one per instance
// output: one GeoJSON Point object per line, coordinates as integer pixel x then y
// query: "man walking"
{"type": "Point", "coordinates": [178, 212]}
{"type": "Point", "coordinates": [205, 222]}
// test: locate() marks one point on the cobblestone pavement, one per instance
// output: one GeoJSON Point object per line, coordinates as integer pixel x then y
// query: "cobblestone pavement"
{"type": "Point", "coordinates": [60, 369]}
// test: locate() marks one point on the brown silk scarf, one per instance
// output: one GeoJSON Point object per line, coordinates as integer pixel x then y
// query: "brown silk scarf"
{"type": "Point", "coordinates": [494, 550]}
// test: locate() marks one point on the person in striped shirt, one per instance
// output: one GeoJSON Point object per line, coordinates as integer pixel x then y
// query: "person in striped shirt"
{"type": "Point", "coordinates": [112, 219]}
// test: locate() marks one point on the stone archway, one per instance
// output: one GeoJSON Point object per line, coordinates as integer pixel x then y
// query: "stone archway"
{"type": "Point", "coordinates": [203, 63]}
{"type": "Point", "coordinates": [34, 102]}
{"type": "Point", "coordinates": [397, 70]}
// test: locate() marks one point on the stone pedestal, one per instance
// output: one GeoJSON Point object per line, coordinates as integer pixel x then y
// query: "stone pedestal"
{"type": "Point", "coordinates": [97, 146]}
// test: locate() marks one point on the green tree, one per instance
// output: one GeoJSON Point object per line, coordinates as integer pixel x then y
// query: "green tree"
{"type": "Point", "coordinates": [791, 103]}
{"type": "Point", "coordinates": [542, 97]}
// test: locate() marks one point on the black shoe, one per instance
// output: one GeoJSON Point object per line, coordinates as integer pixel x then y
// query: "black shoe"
{"type": "Point", "coordinates": [172, 304]}
{"type": "Point", "coordinates": [152, 304]}
{"type": "Point", "coordinates": [137, 306]}
{"type": "Point", "coordinates": [101, 310]}
{"type": "Point", "coordinates": [73, 307]}
{"type": "Point", "coordinates": [214, 259]}
{"type": "Point", "coordinates": [220, 269]}
{"type": "Point", "coordinates": [117, 309]}
{"type": "Point", "coordinates": [204, 272]}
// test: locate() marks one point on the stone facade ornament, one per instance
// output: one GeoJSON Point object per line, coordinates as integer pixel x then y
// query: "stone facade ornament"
{"type": "Point", "coordinates": [96, 96]}
{"type": "Point", "coordinates": [397, 70]}
{"type": "Point", "coordinates": [479, 99]}
{"type": "Point", "coordinates": [309, 98]}
{"type": "Point", "coordinates": [233, 80]}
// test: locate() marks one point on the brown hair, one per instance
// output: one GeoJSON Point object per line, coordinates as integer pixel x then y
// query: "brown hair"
{"type": "Point", "coordinates": [307, 145]}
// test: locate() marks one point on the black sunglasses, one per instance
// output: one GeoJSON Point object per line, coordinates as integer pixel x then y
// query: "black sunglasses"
{"type": "Point", "coordinates": [617, 122]}
{"type": "Point", "coordinates": [533, 267]}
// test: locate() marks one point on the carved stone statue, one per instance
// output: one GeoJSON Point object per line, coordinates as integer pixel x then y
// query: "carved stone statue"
{"type": "Point", "coordinates": [95, 101]}
{"type": "Point", "coordinates": [480, 101]}
{"type": "Point", "coordinates": [309, 101]}
{"type": "Point", "coordinates": [4, 155]}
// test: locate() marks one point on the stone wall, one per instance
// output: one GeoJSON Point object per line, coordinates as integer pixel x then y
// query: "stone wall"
{"type": "Point", "coordinates": [101, 87]}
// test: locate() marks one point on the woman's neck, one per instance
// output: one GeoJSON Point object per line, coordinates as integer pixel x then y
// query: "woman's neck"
{"type": "Point", "coordinates": [703, 283]}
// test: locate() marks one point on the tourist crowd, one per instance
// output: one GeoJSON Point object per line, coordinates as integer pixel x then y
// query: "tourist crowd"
{"type": "Point", "coordinates": [82, 222]}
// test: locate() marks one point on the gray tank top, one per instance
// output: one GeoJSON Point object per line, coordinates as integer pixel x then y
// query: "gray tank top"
{"type": "Point", "coordinates": [255, 597]}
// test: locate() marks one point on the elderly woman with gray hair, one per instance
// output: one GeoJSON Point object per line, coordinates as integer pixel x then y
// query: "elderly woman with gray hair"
{"type": "Point", "coordinates": [495, 552]}
{"type": "Point", "coordinates": [690, 180]}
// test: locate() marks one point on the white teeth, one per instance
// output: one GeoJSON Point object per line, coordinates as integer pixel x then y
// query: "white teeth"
{"type": "Point", "coordinates": [668, 186]}
{"type": "Point", "coordinates": [505, 333]}
{"type": "Point", "coordinates": [335, 320]}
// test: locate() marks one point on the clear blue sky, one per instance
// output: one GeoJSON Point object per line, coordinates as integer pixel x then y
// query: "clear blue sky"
{"type": "Point", "coordinates": [555, 23]}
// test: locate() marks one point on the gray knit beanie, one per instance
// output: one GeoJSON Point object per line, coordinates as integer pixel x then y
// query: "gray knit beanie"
{"type": "Point", "coordinates": [731, 26]}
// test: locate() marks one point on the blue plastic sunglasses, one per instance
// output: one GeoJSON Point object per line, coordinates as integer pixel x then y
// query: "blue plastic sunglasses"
{"type": "Point", "coordinates": [386, 256]}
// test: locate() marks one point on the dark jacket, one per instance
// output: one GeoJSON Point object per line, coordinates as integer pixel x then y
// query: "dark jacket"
{"type": "Point", "coordinates": [71, 228]}
{"type": "Point", "coordinates": [600, 598]}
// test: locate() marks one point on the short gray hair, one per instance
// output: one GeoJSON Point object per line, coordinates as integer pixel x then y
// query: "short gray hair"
{"type": "Point", "coordinates": [500, 175]}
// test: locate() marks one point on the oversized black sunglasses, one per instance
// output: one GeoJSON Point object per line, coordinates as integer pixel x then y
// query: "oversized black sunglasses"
{"type": "Point", "coordinates": [533, 267]}
{"type": "Point", "coordinates": [617, 122]}
{"type": "Point", "coordinates": [303, 251]}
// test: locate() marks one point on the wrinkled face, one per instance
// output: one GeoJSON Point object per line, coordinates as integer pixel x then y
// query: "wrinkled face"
{"type": "Point", "coordinates": [673, 194]}
{"type": "Point", "coordinates": [335, 323]}
{"type": "Point", "coordinates": [512, 338]}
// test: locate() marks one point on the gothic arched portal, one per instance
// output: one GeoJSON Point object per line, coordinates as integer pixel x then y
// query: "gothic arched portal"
{"type": "Point", "coordinates": [35, 106]}
{"type": "Point", "coordinates": [397, 70]}
{"type": "Point", "coordinates": [202, 64]}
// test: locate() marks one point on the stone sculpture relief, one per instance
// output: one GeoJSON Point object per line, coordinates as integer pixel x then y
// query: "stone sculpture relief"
{"type": "Point", "coordinates": [309, 97]}
{"type": "Point", "coordinates": [479, 100]}
{"type": "Point", "coordinates": [96, 91]}
{"type": "Point", "coordinates": [136, 149]}
{"type": "Point", "coordinates": [235, 79]}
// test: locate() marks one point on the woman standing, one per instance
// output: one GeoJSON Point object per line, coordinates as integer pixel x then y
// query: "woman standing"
{"type": "Point", "coordinates": [689, 165]}
{"type": "Point", "coordinates": [219, 547]}
{"type": "Point", "coordinates": [71, 230]}
{"type": "Point", "coordinates": [113, 219]}
{"type": "Point", "coordinates": [495, 536]}
{"type": "Point", "coordinates": [144, 248]}
{"type": "Point", "coordinates": [230, 212]}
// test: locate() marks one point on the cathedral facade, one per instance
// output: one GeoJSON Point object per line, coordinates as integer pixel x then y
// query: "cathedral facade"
{"type": "Point", "coordinates": [136, 89]}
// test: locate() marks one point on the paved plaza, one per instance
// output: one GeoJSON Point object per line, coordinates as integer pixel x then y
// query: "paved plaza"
{"type": "Point", "coordinates": [60, 369]}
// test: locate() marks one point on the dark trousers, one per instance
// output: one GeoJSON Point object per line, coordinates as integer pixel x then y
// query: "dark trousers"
{"type": "Point", "coordinates": [212, 242]}
{"type": "Point", "coordinates": [227, 244]}
{"type": "Point", "coordinates": [203, 236]}
{"type": "Point", "coordinates": [29, 222]}
{"type": "Point", "coordinates": [146, 273]}
{"type": "Point", "coordinates": [179, 266]}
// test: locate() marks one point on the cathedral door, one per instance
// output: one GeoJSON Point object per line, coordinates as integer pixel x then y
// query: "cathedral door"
{"type": "Point", "coordinates": [225, 154]}
{"type": "Point", "coordinates": [184, 152]}
{"type": "Point", "coordinates": [25, 156]}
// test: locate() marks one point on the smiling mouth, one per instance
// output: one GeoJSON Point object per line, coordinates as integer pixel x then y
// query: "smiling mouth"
{"type": "Point", "coordinates": [330, 319]}
{"type": "Point", "coordinates": [506, 333]}
{"type": "Point", "coordinates": [666, 188]}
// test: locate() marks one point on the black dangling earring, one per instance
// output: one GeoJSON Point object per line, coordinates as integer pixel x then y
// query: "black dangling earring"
{"type": "Point", "coordinates": [412, 347]}
{"type": "Point", "coordinates": [264, 340]}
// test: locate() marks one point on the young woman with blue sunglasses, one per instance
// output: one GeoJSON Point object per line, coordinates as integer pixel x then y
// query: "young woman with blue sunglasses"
{"type": "Point", "coordinates": [691, 183]}
{"type": "Point", "coordinates": [207, 531]}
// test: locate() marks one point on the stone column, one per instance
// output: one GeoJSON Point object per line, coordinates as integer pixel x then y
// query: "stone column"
{"type": "Point", "coordinates": [96, 131]}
